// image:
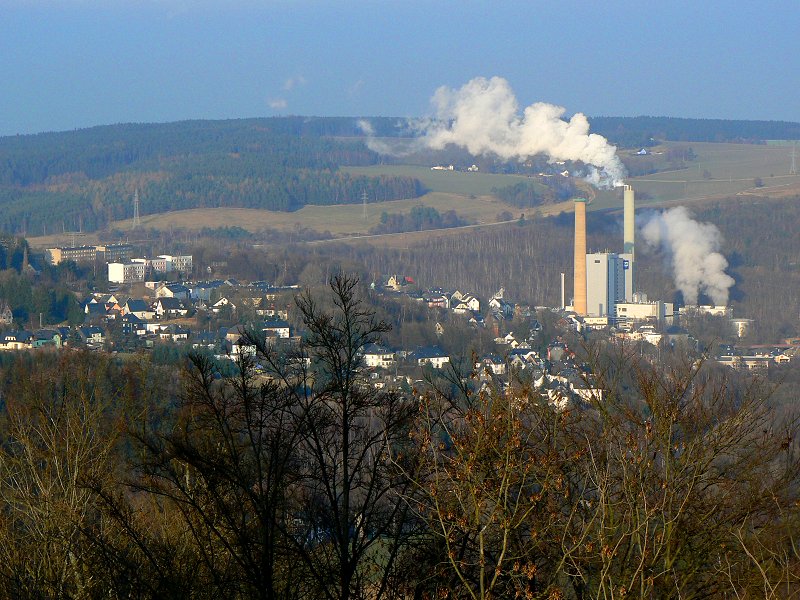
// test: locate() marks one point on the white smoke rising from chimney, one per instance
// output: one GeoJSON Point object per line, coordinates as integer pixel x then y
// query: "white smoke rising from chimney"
{"type": "Point", "coordinates": [692, 248]}
{"type": "Point", "coordinates": [483, 117]}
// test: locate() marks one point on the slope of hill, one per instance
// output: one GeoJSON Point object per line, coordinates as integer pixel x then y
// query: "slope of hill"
{"type": "Point", "coordinates": [86, 179]}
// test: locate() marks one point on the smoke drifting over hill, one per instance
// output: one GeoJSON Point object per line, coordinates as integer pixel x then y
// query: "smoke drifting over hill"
{"type": "Point", "coordinates": [692, 249]}
{"type": "Point", "coordinates": [483, 117]}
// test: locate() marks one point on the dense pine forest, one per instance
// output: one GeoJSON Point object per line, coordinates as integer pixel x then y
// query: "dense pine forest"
{"type": "Point", "coordinates": [87, 178]}
{"type": "Point", "coordinates": [645, 131]}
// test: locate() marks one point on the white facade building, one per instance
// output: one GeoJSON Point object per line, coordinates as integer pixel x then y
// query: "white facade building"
{"type": "Point", "coordinates": [658, 312]}
{"type": "Point", "coordinates": [128, 272]}
{"type": "Point", "coordinates": [609, 280]}
{"type": "Point", "coordinates": [182, 263]}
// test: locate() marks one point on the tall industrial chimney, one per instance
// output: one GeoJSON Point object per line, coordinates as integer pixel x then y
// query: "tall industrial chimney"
{"type": "Point", "coordinates": [629, 219]}
{"type": "Point", "coordinates": [579, 301]}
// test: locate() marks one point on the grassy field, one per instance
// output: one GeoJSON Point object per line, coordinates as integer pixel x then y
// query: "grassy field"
{"type": "Point", "coordinates": [450, 182]}
{"type": "Point", "coordinates": [721, 170]}
{"type": "Point", "coordinates": [340, 220]}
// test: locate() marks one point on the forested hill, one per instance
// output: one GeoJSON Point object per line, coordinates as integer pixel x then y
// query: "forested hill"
{"type": "Point", "coordinates": [645, 131]}
{"type": "Point", "coordinates": [87, 178]}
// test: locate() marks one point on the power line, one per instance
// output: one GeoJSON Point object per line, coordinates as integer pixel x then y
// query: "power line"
{"type": "Point", "coordinates": [137, 222]}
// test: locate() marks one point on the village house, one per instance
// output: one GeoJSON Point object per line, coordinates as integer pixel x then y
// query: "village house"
{"type": "Point", "coordinates": [92, 335]}
{"type": "Point", "coordinates": [492, 363]}
{"type": "Point", "coordinates": [242, 347]}
{"type": "Point", "coordinates": [276, 328]}
{"type": "Point", "coordinates": [15, 340]}
{"type": "Point", "coordinates": [173, 290]}
{"type": "Point", "coordinates": [431, 355]}
{"type": "Point", "coordinates": [46, 338]}
{"type": "Point", "coordinates": [376, 356]}
{"type": "Point", "coordinates": [463, 304]}
{"type": "Point", "coordinates": [140, 308]}
{"type": "Point", "coordinates": [397, 283]}
{"type": "Point", "coordinates": [174, 333]}
{"type": "Point", "coordinates": [169, 308]}
{"type": "Point", "coordinates": [221, 304]}
{"type": "Point", "coordinates": [500, 306]}
{"type": "Point", "coordinates": [203, 290]}
{"type": "Point", "coordinates": [133, 325]}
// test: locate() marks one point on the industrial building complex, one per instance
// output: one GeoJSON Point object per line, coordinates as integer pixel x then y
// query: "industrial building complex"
{"type": "Point", "coordinates": [604, 287]}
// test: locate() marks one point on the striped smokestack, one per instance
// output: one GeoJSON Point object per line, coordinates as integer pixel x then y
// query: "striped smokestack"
{"type": "Point", "coordinates": [579, 301]}
{"type": "Point", "coordinates": [628, 229]}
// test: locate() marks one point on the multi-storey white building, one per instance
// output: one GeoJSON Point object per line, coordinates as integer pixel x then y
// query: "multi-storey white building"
{"type": "Point", "coordinates": [182, 263]}
{"type": "Point", "coordinates": [609, 279]}
{"type": "Point", "coordinates": [657, 312]}
{"type": "Point", "coordinates": [127, 272]}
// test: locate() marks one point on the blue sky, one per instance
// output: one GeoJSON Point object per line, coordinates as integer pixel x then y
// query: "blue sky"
{"type": "Point", "coordinates": [66, 64]}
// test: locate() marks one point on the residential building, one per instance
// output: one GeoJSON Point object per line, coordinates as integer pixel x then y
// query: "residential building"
{"type": "Point", "coordinates": [6, 316]}
{"type": "Point", "coordinates": [92, 335]}
{"type": "Point", "coordinates": [181, 263]}
{"type": "Point", "coordinates": [376, 356]}
{"type": "Point", "coordinates": [114, 252]}
{"type": "Point", "coordinates": [431, 355]}
{"type": "Point", "coordinates": [276, 328]}
{"type": "Point", "coordinates": [126, 272]}
{"type": "Point", "coordinates": [173, 290]}
{"type": "Point", "coordinates": [15, 340]}
{"type": "Point", "coordinates": [78, 254]}
{"type": "Point", "coordinates": [169, 308]}
{"type": "Point", "coordinates": [47, 337]}
{"type": "Point", "coordinates": [140, 308]}
{"type": "Point", "coordinates": [133, 325]}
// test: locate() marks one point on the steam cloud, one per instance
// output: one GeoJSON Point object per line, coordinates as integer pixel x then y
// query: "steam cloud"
{"type": "Point", "coordinates": [692, 248]}
{"type": "Point", "coordinates": [483, 117]}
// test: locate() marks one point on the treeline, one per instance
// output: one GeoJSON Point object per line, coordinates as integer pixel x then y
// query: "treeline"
{"type": "Point", "coordinates": [529, 195]}
{"type": "Point", "coordinates": [631, 132]}
{"type": "Point", "coordinates": [98, 152]}
{"type": "Point", "coordinates": [34, 303]}
{"type": "Point", "coordinates": [418, 218]}
{"type": "Point", "coordinates": [95, 205]}
{"type": "Point", "coordinates": [36, 294]}
{"type": "Point", "coordinates": [123, 479]}
{"type": "Point", "coordinates": [528, 258]}
{"type": "Point", "coordinates": [86, 179]}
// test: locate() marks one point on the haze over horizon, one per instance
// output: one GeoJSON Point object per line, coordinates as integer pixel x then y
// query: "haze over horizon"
{"type": "Point", "coordinates": [80, 63]}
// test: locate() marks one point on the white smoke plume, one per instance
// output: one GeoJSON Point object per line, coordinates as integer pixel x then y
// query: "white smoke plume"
{"type": "Point", "coordinates": [392, 146]}
{"type": "Point", "coordinates": [693, 251]}
{"type": "Point", "coordinates": [483, 117]}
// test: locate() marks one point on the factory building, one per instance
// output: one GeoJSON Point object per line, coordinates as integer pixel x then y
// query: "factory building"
{"type": "Point", "coordinates": [608, 281]}
{"type": "Point", "coordinates": [579, 281]}
{"type": "Point", "coordinates": [603, 279]}
{"type": "Point", "coordinates": [640, 310]}
{"type": "Point", "coordinates": [741, 326]}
